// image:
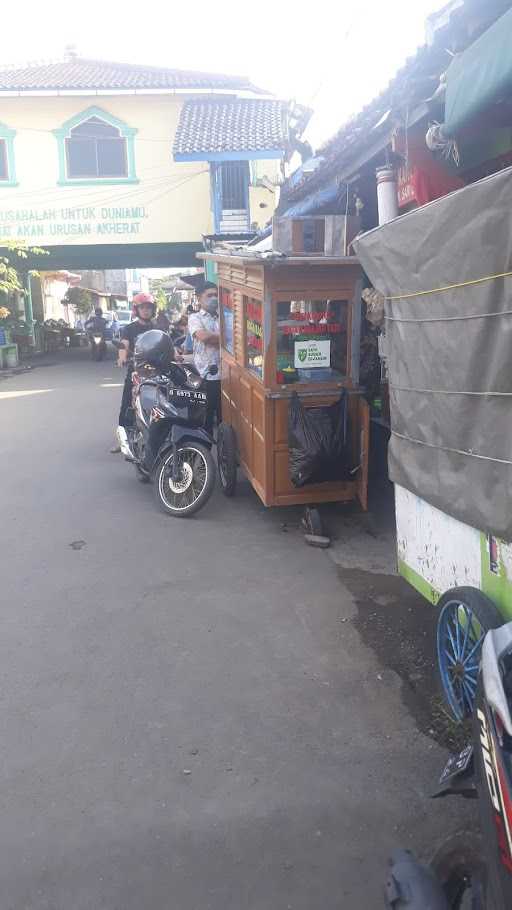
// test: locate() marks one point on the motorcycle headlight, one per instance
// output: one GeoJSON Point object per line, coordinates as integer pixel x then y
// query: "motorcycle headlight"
{"type": "Point", "coordinates": [193, 380]}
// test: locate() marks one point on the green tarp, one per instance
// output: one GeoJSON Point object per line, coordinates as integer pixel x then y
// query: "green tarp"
{"type": "Point", "coordinates": [479, 76]}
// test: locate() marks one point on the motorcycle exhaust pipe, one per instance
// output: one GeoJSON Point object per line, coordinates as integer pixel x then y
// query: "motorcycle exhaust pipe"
{"type": "Point", "coordinates": [124, 445]}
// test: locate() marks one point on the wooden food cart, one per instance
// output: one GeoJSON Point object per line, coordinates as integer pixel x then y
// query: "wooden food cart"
{"type": "Point", "coordinates": [288, 325]}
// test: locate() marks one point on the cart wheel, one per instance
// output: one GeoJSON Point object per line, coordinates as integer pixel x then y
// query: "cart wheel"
{"type": "Point", "coordinates": [312, 522]}
{"type": "Point", "coordinates": [227, 458]}
{"type": "Point", "coordinates": [465, 618]}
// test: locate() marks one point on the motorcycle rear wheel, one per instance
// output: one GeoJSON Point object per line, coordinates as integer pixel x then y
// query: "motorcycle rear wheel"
{"type": "Point", "coordinates": [191, 490]}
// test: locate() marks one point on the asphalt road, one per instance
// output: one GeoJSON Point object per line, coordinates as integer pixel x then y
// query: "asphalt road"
{"type": "Point", "coordinates": [188, 718]}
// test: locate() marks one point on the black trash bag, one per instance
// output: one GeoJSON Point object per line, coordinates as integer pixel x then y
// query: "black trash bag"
{"type": "Point", "coordinates": [318, 442]}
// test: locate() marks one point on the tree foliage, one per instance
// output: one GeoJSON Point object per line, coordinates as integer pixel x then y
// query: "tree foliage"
{"type": "Point", "coordinates": [161, 299]}
{"type": "Point", "coordinates": [80, 299]}
{"type": "Point", "coordinates": [11, 264]}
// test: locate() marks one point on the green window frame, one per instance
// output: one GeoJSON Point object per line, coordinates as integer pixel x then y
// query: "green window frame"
{"type": "Point", "coordinates": [7, 136]}
{"type": "Point", "coordinates": [126, 132]}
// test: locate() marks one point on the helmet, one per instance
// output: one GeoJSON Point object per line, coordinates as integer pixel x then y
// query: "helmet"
{"type": "Point", "coordinates": [143, 298]}
{"type": "Point", "coordinates": [98, 311]}
{"type": "Point", "coordinates": [155, 348]}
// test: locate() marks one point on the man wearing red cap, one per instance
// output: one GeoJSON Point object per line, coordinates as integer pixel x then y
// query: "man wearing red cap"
{"type": "Point", "coordinates": [144, 310]}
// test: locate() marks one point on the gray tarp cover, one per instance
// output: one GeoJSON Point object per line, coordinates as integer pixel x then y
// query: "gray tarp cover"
{"type": "Point", "coordinates": [450, 352]}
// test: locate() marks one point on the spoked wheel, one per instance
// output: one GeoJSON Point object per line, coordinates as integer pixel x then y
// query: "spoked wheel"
{"type": "Point", "coordinates": [459, 869]}
{"type": "Point", "coordinates": [185, 488]}
{"type": "Point", "coordinates": [227, 458]}
{"type": "Point", "coordinates": [465, 618]}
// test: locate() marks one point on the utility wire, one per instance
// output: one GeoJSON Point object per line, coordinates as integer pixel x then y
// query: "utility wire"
{"type": "Point", "coordinates": [96, 198]}
{"type": "Point", "coordinates": [139, 191]}
{"type": "Point", "coordinates": [88, 192]}
{"type": "Point", "coordinates": [165, 192]}
{"type": "Point", "coordinates": [33, 129]}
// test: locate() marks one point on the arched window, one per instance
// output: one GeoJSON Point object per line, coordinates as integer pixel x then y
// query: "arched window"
{"type": "Point", "coordinates": [4, 167]}
{"type": "Point", "coordinates": [7, 172]}
{"type": "Point", "coordinates": [96, 147]}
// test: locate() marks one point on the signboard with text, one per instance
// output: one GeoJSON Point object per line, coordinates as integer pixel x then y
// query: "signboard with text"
{"type": "Point", "coordinates": [312, 354]}
{"type": "Point", "coordinates": [95, 224]}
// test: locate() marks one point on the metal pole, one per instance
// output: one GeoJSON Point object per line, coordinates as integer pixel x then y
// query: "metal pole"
{"type": "Point", "coordinates": [27, 301]}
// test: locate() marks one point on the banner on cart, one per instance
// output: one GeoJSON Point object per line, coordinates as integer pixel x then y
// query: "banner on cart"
{"type": "Point", "coordinates": [312, 354]}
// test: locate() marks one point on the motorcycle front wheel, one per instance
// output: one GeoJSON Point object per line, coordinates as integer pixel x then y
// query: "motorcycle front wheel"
{"type": "Point", "coordinates": [184, 488]}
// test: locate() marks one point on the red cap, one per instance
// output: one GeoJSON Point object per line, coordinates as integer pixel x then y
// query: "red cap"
{"type": "Point", "coordinates": [142, 298]}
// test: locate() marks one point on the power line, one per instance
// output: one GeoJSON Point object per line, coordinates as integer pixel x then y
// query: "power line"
{"type": "Point", "coordinates": [176, 186]}
{"type": "Point", "coordinates": [89, 194]}
{"type": "Point", "coordinates": [165, 192]}
{"type": "Point", "coordinates": [35, 129]}
{"type": "Point", "coordinates": [86, 193]}
{"type": "Point", "coordinates": [51, 186]}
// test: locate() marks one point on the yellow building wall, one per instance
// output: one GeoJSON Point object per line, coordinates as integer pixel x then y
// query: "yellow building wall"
{"type": "Point", "coordinates": [171, 202]}
{"type": "Point", "coordinates": [263, 196]}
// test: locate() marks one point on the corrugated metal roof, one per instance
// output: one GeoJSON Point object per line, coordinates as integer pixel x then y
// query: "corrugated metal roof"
{"type": "Point", "coordinates": [240, 125]}
{"type": "Point", "coordinates": [79, 73]}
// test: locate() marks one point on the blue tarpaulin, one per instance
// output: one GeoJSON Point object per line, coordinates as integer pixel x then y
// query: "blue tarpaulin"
{"type": "Point", "coordinates": [330, 198]}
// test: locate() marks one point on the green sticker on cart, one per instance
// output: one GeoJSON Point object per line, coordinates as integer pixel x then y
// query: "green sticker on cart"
{"type": "Point", "coordinates": [312, 354]}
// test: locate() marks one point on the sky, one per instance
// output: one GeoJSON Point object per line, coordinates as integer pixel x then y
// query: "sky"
{"type": "Point", "coordinates": [332, 56]}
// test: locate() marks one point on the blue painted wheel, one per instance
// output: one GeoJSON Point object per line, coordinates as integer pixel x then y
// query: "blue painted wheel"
{"type": "Point", "coordinates": [465, 618]}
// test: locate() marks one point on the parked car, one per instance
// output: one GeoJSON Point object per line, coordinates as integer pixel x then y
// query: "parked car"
{"type": "Point", "coordinates": [108, 316]}
{"type": "Point", "coordinates": [124, 317]}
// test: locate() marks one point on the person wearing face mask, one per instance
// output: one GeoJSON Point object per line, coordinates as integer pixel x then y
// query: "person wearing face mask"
{"type": "Point", "coordinates": [203, 327]}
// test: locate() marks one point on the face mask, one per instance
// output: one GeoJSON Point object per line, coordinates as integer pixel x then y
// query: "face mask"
{"type": "Point", "coordinates": [211, 306]}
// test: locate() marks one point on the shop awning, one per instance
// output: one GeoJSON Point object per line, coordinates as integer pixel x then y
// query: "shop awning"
{"type": "Point", "coordinates": [479, 76]}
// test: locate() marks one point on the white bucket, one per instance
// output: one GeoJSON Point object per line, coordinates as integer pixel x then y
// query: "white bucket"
{"type": "Point", "coordinates": [11, 357]}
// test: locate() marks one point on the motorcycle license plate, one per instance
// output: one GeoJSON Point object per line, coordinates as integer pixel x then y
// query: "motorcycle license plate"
{"type": "Point", "coordinates": [457, 764]}
{"type": "Point", "coordinates": [185, 395]}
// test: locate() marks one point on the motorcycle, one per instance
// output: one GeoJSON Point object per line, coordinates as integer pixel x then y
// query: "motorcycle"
{"type": "Point", "coordinates": [169, 444]}
{"type": "Point", "coordinates": [468, 867]}
{"type": "Point", "coordinates": [98, 345]}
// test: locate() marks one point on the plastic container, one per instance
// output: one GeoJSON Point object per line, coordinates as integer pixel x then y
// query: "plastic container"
{"type": "Point", "coordinates": [11, 357]}
{"type": "Point", "coordinates": [316, 374]}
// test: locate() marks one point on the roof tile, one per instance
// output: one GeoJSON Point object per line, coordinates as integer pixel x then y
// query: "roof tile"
{"type": "Point", "coordinates": [238, 125]}
{"type": "Point", "coordinates": [78, 73]}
